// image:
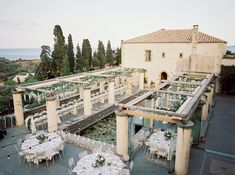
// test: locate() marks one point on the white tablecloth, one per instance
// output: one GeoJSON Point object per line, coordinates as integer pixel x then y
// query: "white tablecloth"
{"type": "Point", "coordinates": [84, 165]}
{"type": "Point", "coordinates": [158, 142]}
{"type": "Point", "coordinates": [46, 150]}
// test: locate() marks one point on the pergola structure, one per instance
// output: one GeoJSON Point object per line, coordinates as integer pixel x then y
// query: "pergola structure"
{"type": "Point", "coordinates": [174, 101]}
{"type": "Point", "coordinates": [105, 81]}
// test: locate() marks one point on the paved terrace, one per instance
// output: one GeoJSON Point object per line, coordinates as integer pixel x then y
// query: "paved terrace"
{"type": "Point", "coordinates": [202, 162]}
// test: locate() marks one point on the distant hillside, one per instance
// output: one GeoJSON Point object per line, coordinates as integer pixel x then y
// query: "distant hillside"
{"type": "Point", "coordinates": [11, 68]}
{"type": "Point", "coordinates": [27, 63]}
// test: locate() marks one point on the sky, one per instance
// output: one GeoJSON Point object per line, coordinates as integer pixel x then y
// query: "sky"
{"type": "Point", "coordinates": [30, 23]}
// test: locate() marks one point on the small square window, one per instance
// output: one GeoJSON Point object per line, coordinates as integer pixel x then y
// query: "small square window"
{"type": "Point", "coordinates": [163, 55]}
{"type": "Point", "coordinates": [147, 55]}
{"type": "Point", "coordinates": [181, 55]}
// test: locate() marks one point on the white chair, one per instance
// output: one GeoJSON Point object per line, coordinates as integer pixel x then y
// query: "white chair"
{"type": "Point", "coordinates": [131, 166]}
{"type": "Point", "coordinates": [125, 172]}
{"type": "Point", "coordinates": [83, 154]}
{"type": "Point", "coordinates": [21, 154]}
{"type": "Point", "coordinates": [71, 163]}
{"type": "Point", "coordinates": [126, 157]}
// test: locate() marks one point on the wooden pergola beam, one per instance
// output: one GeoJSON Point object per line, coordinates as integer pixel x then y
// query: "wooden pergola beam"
{"type": "Point", "coordinates": [172, 92]}
{"type": "Point", "coordinates": [151, 116]}
{"type": "Point", "coordinates": [182, 82]}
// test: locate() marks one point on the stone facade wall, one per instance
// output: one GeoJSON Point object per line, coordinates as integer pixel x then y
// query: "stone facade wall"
{"type": "Point", "coordinates": [208, 58]}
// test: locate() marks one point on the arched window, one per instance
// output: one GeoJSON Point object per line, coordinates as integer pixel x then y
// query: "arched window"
{"type": "Point", "coordinates": [163, 76]}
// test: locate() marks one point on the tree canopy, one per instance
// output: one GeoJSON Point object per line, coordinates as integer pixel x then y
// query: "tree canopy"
{"type": "Point", "coordinates": [70, 53]}
{"type": "Point", "coordinates": [59, 50]}
{"type": "Point", "coordinates": [109, 55]}
{"type": "Point", "coordinates": [87, 54]}
{"type": "Point", "coordinates": [101, 54]}
{"type": "Point", "coordinates": [44, 69]}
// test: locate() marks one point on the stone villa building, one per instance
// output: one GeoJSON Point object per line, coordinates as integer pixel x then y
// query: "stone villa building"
{"type": "Point", "coordinates": [165, 52]}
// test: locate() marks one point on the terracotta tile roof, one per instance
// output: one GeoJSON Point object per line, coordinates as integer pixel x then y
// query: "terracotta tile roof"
{"type": "Point", "coordinates": [174, 36]}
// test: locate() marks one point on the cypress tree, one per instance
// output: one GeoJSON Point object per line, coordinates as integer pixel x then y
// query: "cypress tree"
{"type": "Point", "coordinates": [86, 54]}
{"type": "Point", "coordinates": [65, 70]}
{"type": "Point", "coordinates": [59, 50]}
{"type": "Point", "coordinates": [101, 54]}
{"type": "Point", "coordinates": [70, 54]}
{"type": "Point", "coordinates": [96, 62]}
{"type": "Point", "coordinates": [43, 70]}
{"type": "Point", "coordinates": [79, 60]}
{"type": "Point", "coordinates": [109, 55]}
{"type": "Point", "coordinates": [118, 56]}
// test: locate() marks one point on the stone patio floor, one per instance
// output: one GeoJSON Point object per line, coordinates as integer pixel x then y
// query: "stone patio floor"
{"type": "Point", "coordinates": [215, 157]}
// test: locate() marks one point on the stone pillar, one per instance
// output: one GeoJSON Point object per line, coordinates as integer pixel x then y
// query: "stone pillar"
{"type": "Point", "coordinates": [128, 86]}
{"type": "Point", "coordinates": [184, 132]}
{"type": "Point", "coordinates": [52, 116]}
{"type": "Point", "coordinates": [111, 94]}
{"type": "Point", "coordinates": [205, 109]}
{"type": "Point", "coordinates": [87, 101]}
{"type": "Point", "coordinates": [117, 81]}
{"type": "Point", "coordinates": [81, 92]}
{"type": "Point", "coordinates": [164, 100]}
{"type": "Point", "coordinates": [122, 133]}
{"type": "Point", "coordinates": [141, 80]}
{"type": "Point", "coordinates": [18, 108]}
{"type": "Point", "coordinates": [102, 86]}
{"type": "Point", "coordinates": [57, 101]}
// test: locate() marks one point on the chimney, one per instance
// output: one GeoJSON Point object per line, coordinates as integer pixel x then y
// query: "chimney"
{"type": "Point", "coordinates": [195, 34]}
{"type": "Point", "coordinates": [195, 26]}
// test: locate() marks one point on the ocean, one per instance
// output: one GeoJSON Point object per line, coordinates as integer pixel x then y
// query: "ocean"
{"type": "Point", "coordinates": [26, 53]}
{"type": "Point", "coordinates": [34, 53]}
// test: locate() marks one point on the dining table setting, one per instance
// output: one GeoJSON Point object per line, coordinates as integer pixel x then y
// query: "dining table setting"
{"type": "Point", "coordinates": [163, 143]}
{"type": "Point", "coordinates": [41, 145]}
{"type": "Point", "coordinates": [99, 163]}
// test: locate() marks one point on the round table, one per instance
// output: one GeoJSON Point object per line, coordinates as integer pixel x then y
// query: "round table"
{"type": "Point", "coordinates": [113, 165]}
{"type": "Point", "coordinates": [158, 141]}
{"type": "Point", "coordinates": [34, 151]}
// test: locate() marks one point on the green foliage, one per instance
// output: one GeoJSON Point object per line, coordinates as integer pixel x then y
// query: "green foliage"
{"type": "Point", "coordinates": [96, 62]}
{"type": "Point", "coordinates": [8, 68]}
{"type": "Point", "coordinates": [228, 52]}
{"type": "Point", "coordinates": [109, 55]}
{"type": "Point", "coordinates": [79, 60]}
{"type": "Point", "coordinates": [226, 71]}
{"type": "Point", "coordinates": [31, 79]}
{"type": "Point", "coordinates": [59, 50]}
{"type": "Point", "coordinates": [101, 54]}
{"type": "Point", "coordinates": [70, 54]}
{"type": "Point", "coordinates": [6, 102]}
{"type": "Point", "coordinates": [86, 55]}
{"type": "Point", "coordinates": [118, 57]}
{"type": "Point", "coordinates": [227, 75]}
{"type": "Point", "coordinates": [65, 70]}
{"type": "Point", "coordinates": [44, 69]}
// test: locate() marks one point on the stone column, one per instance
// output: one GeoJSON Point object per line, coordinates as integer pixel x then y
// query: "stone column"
{"type": "Point", "coordinates": [102, 86]}
{"type": "Point", "coordinates": [205, 109]}
{"type": "Point", "coordinates": [18, 108]}
{"type": "Point", "coordinates": [141, 80]}
{"type": "Point", "coordinates": [81, 92]}
{"type": "Point", "coordinates": [117, 81]}
{"type": "Point", "coordinates": [184, 132]}
{"type": "Point", "coordinates": [52, 116]}
{"type": "Point", "coordinates": [57, 101]}
{"type": "Point", "coordinates": [128, 86]}
{"type": "Point", "coordinates": [102, 90]}
{"type": "Point", "coordinates": [122, 133]}
{"type": "Point", "coordinates": [111, 94]}
{"type": "Point", "coordinates": [87, 101]}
